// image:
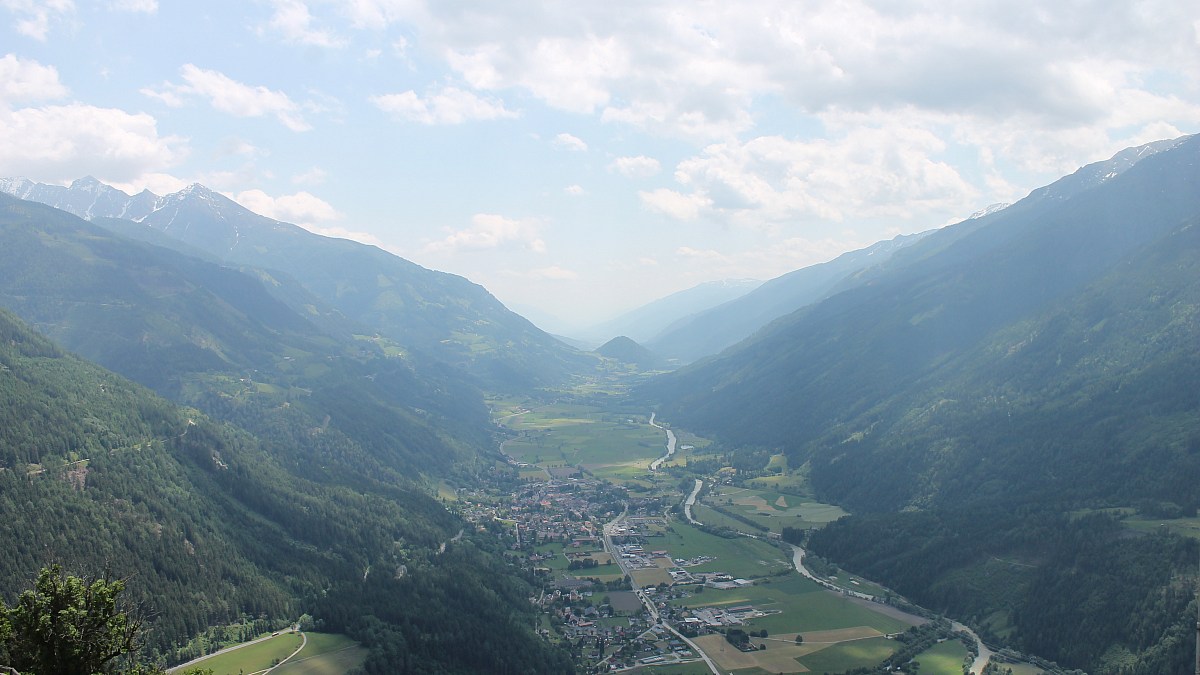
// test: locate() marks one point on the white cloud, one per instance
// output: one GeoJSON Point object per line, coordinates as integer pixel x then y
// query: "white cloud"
{"type": "Point", "coordinates": [705, 71]}
{"type": "Point", "coordinates": [639, 166]}
{"type": "Point", "coordinates": [302, 208]}
{"type": "Point", "coordinates": [23, 80]}
{"type": "Point", "coordinates": [569, 142]}
{"type": "Point", "coordinates": [293, 20]}
{"type": "Point", "coordinates": [572, 73]}
{"type": "Point", "coordinates": [35, 16]}
{"type": "Point", "coordinates": [60, 143]}
{"type": "Point", "coordinates": [142, 6]}
{"type": "Point", "coordinates": [230, 96]}
{"type": "Point", "coordinates": [491, 231]}
{"type": "Point", "coordinates": [379, 14]}
{"type": "Point", "coordinates": [314, 176]}
{"type": "Point", "coordinates": [451, 105]}
{"type": "Point", "coordinates": [884, 171]}
{"type": "Point", "coordinates": [677, 205]}
{"type": "Point", "coordinates": [574, 190]}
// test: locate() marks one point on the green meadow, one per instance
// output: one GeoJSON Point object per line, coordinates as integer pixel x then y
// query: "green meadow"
{"type": "Point", "coordinates": [846, 655]}
{"type": "Point", "coordinates": [253, 658]}
{"type": "Point", "coordinates": [774, 509]}
{"type": "Point", "coordinates": [944, 658]}
{"type": "Point", "coordinates": [609, 445]}
{"type": "Point", "coordinates": [740, 557]}
{"type": "Point", "coordinates": [799, 606]}
{"type": "Point", "coordinates": [323, 654]}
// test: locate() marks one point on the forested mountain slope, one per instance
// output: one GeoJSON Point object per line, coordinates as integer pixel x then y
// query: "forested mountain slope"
{"type": "Point", "coordinates": [989, 398]}
{"type": "Point", "coordinates": [216, 338]}
{"type": "Point", "coordinates": [440, 314]}
{"type": "Point", "coordinates": [97, 472]}
{"type": "Point", "coordinates": [828, 367]}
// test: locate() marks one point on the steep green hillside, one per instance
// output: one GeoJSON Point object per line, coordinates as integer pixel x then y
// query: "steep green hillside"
{"type": "Point", "coordinates": [221, 339]}
{"type": "Point", "coordinates": [825, 369]}
{"type": "Point", "coordinates": [981, 392]}
{"type": "Point", "coordinates": [442, 315]}
{"type": "Point", "coordinates": [97, 472]}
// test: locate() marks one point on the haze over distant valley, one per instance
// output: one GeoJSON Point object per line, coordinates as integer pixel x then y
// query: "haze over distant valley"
{"type": "Point", "coordinates": [386, 337]}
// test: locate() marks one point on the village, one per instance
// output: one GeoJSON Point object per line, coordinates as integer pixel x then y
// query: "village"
{"type": "Point", "coordinates": [618, 601]}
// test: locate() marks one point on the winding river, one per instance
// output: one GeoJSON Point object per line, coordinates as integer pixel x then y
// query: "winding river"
{"type": "Point", "coordinates": [654, 466]}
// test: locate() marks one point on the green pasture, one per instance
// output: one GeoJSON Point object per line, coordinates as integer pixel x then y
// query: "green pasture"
{"type": "Point", "coordinates": [616, 446]}
{"type": "Point", "coordinates": [709, 516]}
{"type": "Point", "coordinates": [802, 606]}
{"type": "Point", "coordinates": [253, 658]}
{"type": "Point", "coordinates": [1187, 527]}
{"type": "Point", "coordinates": [325, 654]}
{"type": "Point", "coordinates": [739, 557]}
{"type": "Point", "coordinates": [846, 655]}
{"type": "Point", "coordinates": [774, 509]}
{"type": "Point", "coordinates": [944, 658]}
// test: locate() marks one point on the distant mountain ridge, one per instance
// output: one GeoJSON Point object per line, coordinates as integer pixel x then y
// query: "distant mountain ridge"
{"type": "Point", "coordinates": [441, 314]}
{"type": "Point", "coordinates": [708, 332]}
{"type": "Point", "coordinates": [647, 321]}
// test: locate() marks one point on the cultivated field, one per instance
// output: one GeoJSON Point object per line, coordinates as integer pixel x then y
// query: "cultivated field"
{"type": "Point", "coordinates": [613, 446]}
{"type": "Point", "coordinates": [774, 510]}
{"type": "Point", "coordinates": [253, 658]}
{"type": "Point", "coordinates": [944, 658]}
{"type": "Point", "coordinates": [799, 606]}
{"type": "Point", "coordinates": [846, 655]}
{"type": "Point", "coordinates": [740, 557]}
{"type": "Point", "coordinates": [325, 654]}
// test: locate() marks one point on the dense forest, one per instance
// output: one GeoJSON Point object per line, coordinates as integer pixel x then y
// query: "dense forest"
{"type": "Point", "coordinates": [210, 528]}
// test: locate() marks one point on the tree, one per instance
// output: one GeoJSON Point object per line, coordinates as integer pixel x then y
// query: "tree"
{"type": "Point", "coordinates": [69, 626]}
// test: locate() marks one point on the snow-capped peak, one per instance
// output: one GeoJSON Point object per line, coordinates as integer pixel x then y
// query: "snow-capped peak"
{"type": "Point", "coordinates": [989, 210]}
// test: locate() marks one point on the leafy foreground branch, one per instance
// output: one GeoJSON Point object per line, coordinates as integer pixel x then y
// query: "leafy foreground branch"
{"type": "Point", "coordinates": [71, 626]}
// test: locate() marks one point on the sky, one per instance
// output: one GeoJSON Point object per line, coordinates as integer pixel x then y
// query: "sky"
{"type": "Point", "coordinates": [579, 159]}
